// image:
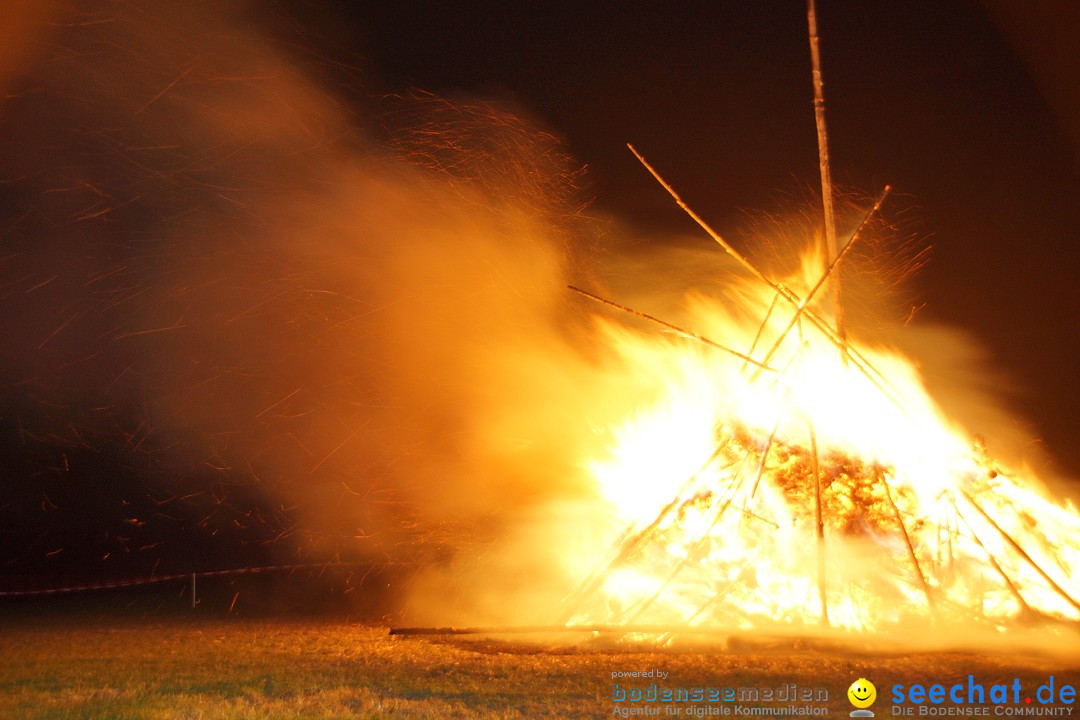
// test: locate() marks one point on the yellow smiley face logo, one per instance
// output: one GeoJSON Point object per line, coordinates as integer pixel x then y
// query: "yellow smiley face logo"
{"type": "Point", "coordinates": [862, 693]}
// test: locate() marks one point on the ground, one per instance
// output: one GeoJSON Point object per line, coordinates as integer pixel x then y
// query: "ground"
{"type": "Point", "coordinates": [233, 668]}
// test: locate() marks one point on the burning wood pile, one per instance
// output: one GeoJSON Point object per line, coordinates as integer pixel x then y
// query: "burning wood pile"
{"type": "Point", "coordinates": [830, 489]}
{"type": "Point", "coordinates": [814, 482]}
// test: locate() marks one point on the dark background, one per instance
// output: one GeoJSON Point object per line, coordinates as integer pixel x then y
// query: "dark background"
{"type": "Point", "coordinates": [969, 110]}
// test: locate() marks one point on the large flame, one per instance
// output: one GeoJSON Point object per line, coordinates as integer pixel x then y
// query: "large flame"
{"type": "Point", "coordinates": [717, 484]}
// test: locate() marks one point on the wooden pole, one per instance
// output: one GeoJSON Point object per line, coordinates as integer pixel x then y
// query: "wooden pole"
{"type": "Point", "coordinates": [861, 363]}
{"type": "Point", "coordinates": [192, 591]}
{"type": "Point", "coordinates": [823, 163]}
{"type": "Point", "coordinates": [1021, 552]}
{"type": "Point", "coordinates": [706, 227]}
{"type": "Point", "coordinates": [629, 541]}
{"type": "Point", "coordinates": [910, 548]}
{"type": "Point", "coordinates": [635, 611]}
{"type": "Point", "coordinates": [989, 556]}
{"type": "Point", "coordinates": [819, 525]}
{"type": "Point", "coordinates": [802, 306]}
{"type": "Point", "coordinates": [764, 457]}
{"type": "Point", "coordinates": [528, 629]}
{"type": "Point", "coordinates": [685, 333]}
{"type": "Point", "coordinates": [954, 530]}
{"type": "Point", "coordinates": [761, 328]}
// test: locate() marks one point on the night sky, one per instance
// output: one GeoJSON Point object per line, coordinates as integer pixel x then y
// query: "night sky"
{"type": "Point", "coordinates": [969, 110]}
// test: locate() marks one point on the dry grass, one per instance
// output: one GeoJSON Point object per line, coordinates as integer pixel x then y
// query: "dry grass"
{"type": "Point", "coordinates": [210, 669]}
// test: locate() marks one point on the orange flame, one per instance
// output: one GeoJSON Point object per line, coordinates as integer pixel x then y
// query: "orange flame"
{"type": "Point", "coordinates": [713, 483]}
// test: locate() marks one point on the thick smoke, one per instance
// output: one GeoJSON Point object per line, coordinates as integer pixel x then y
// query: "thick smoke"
{"type": "Point", "coordinates": [240, 314]}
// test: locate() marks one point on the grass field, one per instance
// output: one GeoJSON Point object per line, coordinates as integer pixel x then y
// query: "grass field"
{"type": "Point", "coordinates": [229, 668]}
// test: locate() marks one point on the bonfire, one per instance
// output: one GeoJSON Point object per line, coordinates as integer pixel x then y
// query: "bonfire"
{"type": "Point", "coordinates": [782, 474]}
{"type": "Point", "coordinates": [789, 477]}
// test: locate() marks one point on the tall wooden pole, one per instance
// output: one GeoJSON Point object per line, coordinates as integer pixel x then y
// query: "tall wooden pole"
{"type": "Point", "coordinates": [823, 162]}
